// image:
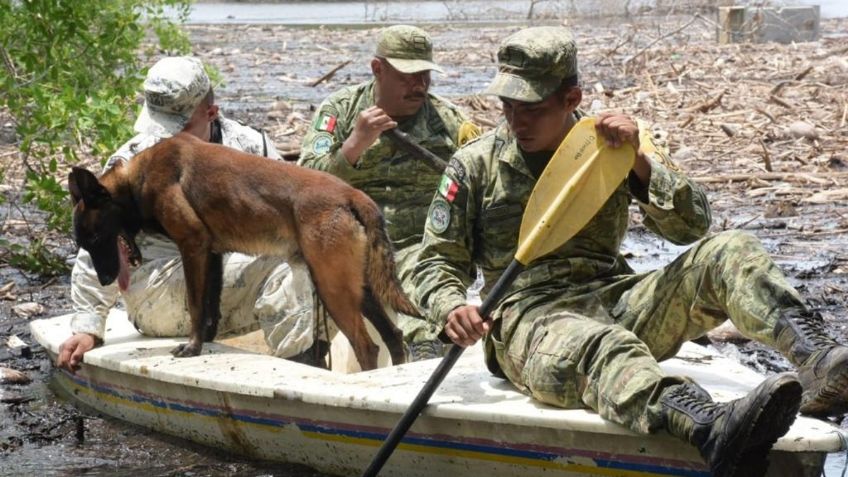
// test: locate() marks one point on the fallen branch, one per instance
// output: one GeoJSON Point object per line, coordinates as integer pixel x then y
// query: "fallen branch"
{"type": "Point", "coordinates": [819, 178]}
{"type": "Point", "coordinates": [651, 44]}
{"type": "Point", "coordinates": [817, 233]}
{"type": "Point", "coordinates": [776, 100]}
{"type": "Point", "coordinates": [804, 73]}
{"type": "Point", "coordinates": [329, 74]}
{"type": "Point", "coordinates": [709, 104]}
{"type": "Point", "coordinates": [766, 156]}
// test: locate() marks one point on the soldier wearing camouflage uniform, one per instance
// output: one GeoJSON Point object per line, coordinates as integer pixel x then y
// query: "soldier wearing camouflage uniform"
{"type": "Point", "coordinates": [257, 291]}
{"type": "Point", "coordinates": [578, 327]}
{"type": "Point", "coordinates": [345, 140]}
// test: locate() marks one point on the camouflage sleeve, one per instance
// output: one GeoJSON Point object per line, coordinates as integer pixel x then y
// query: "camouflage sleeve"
{"type": "Point", "coordinates": [322, 145]}
{"type": "Point", "coordinates": [91, 300]}
{"type": "Point", "coordinates": [445, 267]}
{"type": "Point", "coordinates": [675, 207]}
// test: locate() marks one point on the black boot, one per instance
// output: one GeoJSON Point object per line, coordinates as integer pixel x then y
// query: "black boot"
{"type": "Point", "coordinates": [734, 438]}
{"type": "Point", "coordinates": [426, 350]}
{"type": "Point", "coordinates": [315, 355]}
{"type": "Point", "coordinates": [822, 362]}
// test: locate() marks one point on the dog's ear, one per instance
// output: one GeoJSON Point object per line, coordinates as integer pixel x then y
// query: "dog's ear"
{"type": "Point", "coordinates": [84, 186]}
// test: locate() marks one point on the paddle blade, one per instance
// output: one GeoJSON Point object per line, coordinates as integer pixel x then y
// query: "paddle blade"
{"type": "Point", "coordinates": [581, 176]}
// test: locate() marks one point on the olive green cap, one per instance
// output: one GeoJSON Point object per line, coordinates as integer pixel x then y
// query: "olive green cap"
{"type": "Point", "coordinates": [407, 48]}
{"type": "Point", "coordinates": [533, 62]}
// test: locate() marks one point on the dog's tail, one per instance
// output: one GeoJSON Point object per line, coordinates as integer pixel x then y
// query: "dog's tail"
{"type": "Point", "coordinates": [380, 273]}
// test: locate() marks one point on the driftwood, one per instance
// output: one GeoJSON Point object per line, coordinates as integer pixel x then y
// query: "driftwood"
{"type": "Point", "coordinates": [710, 104]}
{"type": "Point", "coordinates": [820, 178]}
{"type": "Point", "coordinates": [668, 71]}
{"type": "Point", "coordinates": [329, 74]}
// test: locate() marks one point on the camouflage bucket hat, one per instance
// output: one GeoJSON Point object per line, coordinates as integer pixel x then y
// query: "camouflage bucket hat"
{"type": "Point", "coordinates": [407, 48]}
{"type": "Point", "coordinates": [533, 62]}
{"type": "Point", "coordinates": [172, 90]}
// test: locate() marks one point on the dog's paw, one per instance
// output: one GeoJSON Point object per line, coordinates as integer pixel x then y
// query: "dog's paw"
{"type": "Point", "coordinates": [185, 350]}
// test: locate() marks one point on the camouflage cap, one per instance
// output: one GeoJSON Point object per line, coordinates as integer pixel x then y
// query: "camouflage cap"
{"type": "Point", "coordinates": [407, 48]}
{"type": "Point", "coordinates": [172, 90]}
{"type": "Point", "coordinates": [533, 62]}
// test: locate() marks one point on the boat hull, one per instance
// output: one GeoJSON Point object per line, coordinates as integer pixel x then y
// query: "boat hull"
{"type": "Point", "coordinates": [469, 433]}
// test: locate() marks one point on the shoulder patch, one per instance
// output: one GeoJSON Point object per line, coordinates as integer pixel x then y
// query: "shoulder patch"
{"type": "Point", "coordinates": [457, 169]}
{"type": "Point", "coordinates": [326, 121]}
{"type": "Point", "coordinates": [448, 188]}
{"type": "Point", "coordinates": [322, 144]}
{"type": "Point", "coordinates": [440, 216]}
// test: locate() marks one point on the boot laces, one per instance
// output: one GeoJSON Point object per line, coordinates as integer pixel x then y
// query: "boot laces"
{"type": "Point", "coordinates": [695, 401]}
{"type": "Point", "coordinates": [811, 326]}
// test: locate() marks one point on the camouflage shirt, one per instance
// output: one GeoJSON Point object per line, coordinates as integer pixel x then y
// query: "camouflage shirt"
{"type": "Point", "coordinates": [400, 184]}
{"type": "Point", "coordinates": [474, 219]}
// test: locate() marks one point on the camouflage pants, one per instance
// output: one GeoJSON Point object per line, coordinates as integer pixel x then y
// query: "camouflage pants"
{"type": "Point", "coordinates": [257, 292]}
{"type": "Point", "coordinates": [562, 354]}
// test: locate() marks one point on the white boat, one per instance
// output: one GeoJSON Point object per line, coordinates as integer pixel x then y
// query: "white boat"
{"type": "Point", "coordinates": [476, 425]}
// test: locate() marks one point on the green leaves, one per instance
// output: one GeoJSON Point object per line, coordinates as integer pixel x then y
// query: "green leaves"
{"type": "Point", "coordinates": [70, 71]}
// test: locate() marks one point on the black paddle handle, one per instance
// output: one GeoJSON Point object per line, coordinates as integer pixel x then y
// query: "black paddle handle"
{"type": "Point", "coordinates": [405, 143]}
{"type": "Point", "coordinates": [420, 402]}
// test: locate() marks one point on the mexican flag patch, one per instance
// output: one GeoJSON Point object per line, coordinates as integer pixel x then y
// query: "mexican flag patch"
{"type": "Point", "coordinates": [327, 122]}
{"type": "Point", "coordinates": [448, 188]}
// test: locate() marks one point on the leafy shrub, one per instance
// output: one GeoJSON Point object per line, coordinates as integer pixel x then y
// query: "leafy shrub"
{"type": "Point", "coordinates": [69, 74]}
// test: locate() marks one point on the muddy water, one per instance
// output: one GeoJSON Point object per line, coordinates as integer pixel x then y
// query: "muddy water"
{"type": "Point", "coordinates": [450, 11]}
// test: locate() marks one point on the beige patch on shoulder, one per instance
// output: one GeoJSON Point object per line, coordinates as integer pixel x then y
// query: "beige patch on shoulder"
{"type": "Point", "coordinates": [654, 143]}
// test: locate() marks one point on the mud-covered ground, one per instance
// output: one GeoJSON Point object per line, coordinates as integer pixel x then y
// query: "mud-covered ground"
{"type": "Point", "coordinates": [789, 190]}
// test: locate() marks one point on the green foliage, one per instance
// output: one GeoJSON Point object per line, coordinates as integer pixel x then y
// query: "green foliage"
{"type": "Point", "coordinates": [35, 257]}
{"type": "Point", "coordinates": [70, 71]}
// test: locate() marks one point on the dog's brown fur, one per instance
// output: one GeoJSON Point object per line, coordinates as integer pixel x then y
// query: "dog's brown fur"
{"type": "Point", "coordinates": [210, 199]}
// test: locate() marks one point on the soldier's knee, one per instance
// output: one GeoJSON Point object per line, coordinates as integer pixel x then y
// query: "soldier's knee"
{"type": "Point", "coordinates": [552, 379]}
{"type": "Point", "coordinates": [732, 243]}
{"type": "Point", "coordinates": [560, 376]}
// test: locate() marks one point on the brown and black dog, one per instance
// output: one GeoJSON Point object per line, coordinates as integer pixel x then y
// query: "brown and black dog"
{"type": "Point", "coordinates": [211, 199]}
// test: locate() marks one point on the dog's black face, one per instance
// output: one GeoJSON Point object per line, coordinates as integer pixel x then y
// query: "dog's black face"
{"type": "Point", "coordinates": [98, 228]}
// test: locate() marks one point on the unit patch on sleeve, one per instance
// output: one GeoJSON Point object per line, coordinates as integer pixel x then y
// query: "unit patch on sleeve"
{"type": "Point", "coordinates": [457, 169]}
{"type": "Point", "coordinates": [326, 122]}
{"type": "Point", "coordinates": [440, 216]}
{"type": "Point", "coordinates": [448, 188]}
{"type": "Point", "coordinates": [322, 144]}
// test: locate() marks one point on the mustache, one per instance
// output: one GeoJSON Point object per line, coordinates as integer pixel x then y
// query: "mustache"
{"type": "Point", "coordinates": [415, 96]}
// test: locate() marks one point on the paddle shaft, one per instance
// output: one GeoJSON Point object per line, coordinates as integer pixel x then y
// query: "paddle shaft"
{"type": "Point", "coordinates": [420, 402]}
{"type": "Point", "coordinates": [405, 143]}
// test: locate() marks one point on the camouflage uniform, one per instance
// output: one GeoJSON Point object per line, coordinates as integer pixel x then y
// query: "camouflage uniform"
{"type": "Point", "coordinates": [257, 292]}
{"type": "Point", "coordinates": [399, 183]}
{"type": "Point", "coordinates": [578, 327]}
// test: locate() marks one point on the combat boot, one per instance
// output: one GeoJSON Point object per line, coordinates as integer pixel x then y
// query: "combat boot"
{"type": "Point", "coordinates": [734, 438]}
{"type": "Point", "coordinates": [422, 350]}
{"type": "Point", "coordinates": [822, 362]}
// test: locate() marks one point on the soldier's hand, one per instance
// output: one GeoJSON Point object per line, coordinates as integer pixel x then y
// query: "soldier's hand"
{"type": "Point", "coordinates": [71, 352]}
{"type": "Point", "coordinates": [465, 326]}
{"type": "Point", "coordinates": [617, 129]}
{"type": "Point", "coordinates": [369, 125]}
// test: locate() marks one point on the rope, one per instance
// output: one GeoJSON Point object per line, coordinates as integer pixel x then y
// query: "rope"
{"type": "Point", "coordinates": [327, 339]}
{"type": "Point", "coordinates": [844, 438]}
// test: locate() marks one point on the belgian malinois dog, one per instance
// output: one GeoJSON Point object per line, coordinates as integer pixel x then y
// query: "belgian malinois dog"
{"type": "Point", "coordinates": [211, 199]}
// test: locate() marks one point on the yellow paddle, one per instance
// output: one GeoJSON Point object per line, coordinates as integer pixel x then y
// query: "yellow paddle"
{"type": "Point", "coordinates": [556, 213]}
{"type": "Point", "coordinates": [580, 177]}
